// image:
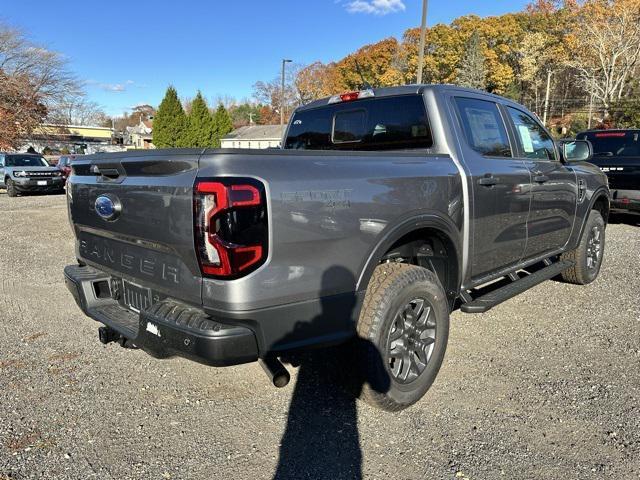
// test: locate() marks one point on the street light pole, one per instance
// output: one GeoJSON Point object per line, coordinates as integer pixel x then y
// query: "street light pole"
{"type": "Point", "coordinates": [284, 60]}
{"type": "Point", "coordinates": [423, 34]}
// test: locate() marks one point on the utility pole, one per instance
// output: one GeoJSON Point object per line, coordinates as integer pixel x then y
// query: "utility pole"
{"type": "Point", "coordinates": [250, 118]}
{"type": "Point", "coordinates": [546, 99]}
{"type": "Point", "coordinates": [423, 34]}
{"type": "Point", "coordinates": [284, 61]}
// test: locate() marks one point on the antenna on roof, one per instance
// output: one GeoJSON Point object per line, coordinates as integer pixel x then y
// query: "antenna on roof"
{"type": "Point", "coordinates": [365, 84]}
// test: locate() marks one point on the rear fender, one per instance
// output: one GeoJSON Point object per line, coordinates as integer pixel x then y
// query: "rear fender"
{"type": "Point", "coordinates": [443, 226]}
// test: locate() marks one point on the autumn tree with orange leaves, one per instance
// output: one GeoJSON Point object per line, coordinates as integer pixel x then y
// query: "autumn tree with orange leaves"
{"type": "Point", "coordinates": [575, 49]}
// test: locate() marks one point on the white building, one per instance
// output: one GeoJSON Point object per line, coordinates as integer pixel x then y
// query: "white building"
{"type": "Point", "coordinates": [254, 136]}
{"type": "Point", "coordinates": [139, 136]}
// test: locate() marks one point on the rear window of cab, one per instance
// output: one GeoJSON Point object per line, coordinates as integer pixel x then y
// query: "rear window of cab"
{"type": "Point", "coordinates": [387, 123]}
{"type": "Point", "coordinates": [614, 143]}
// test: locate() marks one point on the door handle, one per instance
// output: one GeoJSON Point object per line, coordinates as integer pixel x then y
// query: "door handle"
{"type": "Point", "coordinates": [540, 178]}
{"type": "Point", "coordinates": [488, 181]}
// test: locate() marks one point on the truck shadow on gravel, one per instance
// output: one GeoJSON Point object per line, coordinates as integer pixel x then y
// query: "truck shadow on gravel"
{"type": "Point", "coordinates": [321, 439]}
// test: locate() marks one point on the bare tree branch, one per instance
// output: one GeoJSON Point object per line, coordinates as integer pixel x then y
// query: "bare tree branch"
{"type": "Point", "coordinates": [34, 83]}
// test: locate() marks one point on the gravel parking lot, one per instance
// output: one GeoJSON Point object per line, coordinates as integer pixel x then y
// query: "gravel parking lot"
{"type": "Point", "coordinates": [546, 385]}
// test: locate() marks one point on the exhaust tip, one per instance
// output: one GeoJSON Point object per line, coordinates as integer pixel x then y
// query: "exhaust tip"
{"type": "Point", "coordinates": [282, 380]}
{"type": "Point", "coordinates": [275, 370]}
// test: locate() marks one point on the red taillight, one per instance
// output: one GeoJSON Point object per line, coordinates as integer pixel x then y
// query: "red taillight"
{"type": "Point", "coordinates": [610, 134]}
{"type": "Point", "coordinates": [347, 97]}
{"type": "Point", "coordinates": [244, 196]}
{"type": "Point", "coordinates": [351, 96]}
{"type": "Point", "coordinates": [230, 226]}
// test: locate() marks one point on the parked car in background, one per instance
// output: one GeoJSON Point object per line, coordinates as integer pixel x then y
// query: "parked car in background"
{"type": "Point", "coordinates": [28, 172]}
{"type": "Point", "coordinates": [64, 165]}
{"type": "Point", "coordinates": [617, 153]}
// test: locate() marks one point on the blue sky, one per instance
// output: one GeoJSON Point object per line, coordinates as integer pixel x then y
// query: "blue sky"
{"type": "Point", "coordinates": [128, 52]}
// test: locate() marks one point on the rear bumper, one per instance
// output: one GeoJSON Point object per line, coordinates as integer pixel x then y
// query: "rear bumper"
{"type": "Point", "coordinates": [625, 200]}
{"type": "Point", "coordinates": [167, 328]}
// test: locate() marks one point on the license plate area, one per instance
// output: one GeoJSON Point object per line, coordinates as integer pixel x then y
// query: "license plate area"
{"type": "Point", "coordinates": [135, 297]}
{"type": "Point", "coordinates": [42, 182]}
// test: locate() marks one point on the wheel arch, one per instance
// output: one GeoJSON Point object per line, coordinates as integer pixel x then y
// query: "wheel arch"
{"type": "Point", "coordinates": [599, 201]}
{"type": "Point", "coordinates": [439, 232]}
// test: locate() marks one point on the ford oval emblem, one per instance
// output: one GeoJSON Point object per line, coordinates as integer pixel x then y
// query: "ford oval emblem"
{"type": "Point", "coordinates": [108, 207]}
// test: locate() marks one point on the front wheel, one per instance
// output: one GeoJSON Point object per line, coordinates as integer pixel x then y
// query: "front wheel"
{"type": "Point", "coordinates": [588, 256]}
{"type": "Point", "coordinates": [11, 188]}
{"type": "Point", "coordinates": [403, 329]}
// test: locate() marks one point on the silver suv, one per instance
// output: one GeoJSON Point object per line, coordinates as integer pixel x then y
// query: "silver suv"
{"type": "Point", "coordinates": [27, 172]}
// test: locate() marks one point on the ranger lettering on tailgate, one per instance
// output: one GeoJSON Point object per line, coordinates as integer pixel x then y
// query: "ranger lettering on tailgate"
{"type": "Point", "coordinates": [106, 254]}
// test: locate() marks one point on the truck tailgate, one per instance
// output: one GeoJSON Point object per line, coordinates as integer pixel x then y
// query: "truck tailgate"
{"type": "Point", "coordinates": [623, 172]}
{"type": "Point", "coordinates": [133, 218]}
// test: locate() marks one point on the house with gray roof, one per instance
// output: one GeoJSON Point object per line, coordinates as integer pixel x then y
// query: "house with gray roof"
{"type": "Point", "coordinates": [254, 136]}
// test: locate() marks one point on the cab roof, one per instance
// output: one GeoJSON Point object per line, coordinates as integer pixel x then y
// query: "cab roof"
{"type": "Point", "coordinates": [416, 89]}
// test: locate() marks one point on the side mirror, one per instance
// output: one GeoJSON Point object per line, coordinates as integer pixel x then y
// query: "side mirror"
{"type": "Point", "coordinates": [576, 150]}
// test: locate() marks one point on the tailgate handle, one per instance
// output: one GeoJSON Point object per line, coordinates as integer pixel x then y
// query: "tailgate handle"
{"type": "Point", "coordinates": [106, 172]}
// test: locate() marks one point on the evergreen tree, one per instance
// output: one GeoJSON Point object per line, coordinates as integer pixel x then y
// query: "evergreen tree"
{"type": "Point", "coordinates": [200, 131]}
{"type": "Point", "coordinates": [472, 72]}
{"type": "Point", "coordinates": [170, 122]}
{"type": "Point", "coordinates": [222, 124]}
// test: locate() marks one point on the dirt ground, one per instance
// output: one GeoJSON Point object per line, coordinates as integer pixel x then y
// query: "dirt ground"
{"type": "Point", "coordinates": [544, 386]}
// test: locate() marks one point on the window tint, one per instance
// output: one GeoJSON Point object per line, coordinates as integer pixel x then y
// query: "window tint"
{"type": "Point", "coordinates": [614, 144]}
{"type": "Point", "coordinates": [387, 123]}
{"type": "Point", "coordinates": [483, 127]}
{"type": "Point", "coordinates": [349, 126]}
{"type": "Point", "coordinates": [534, 140]}
{"type": "Point", "coordinates": [26, 161]}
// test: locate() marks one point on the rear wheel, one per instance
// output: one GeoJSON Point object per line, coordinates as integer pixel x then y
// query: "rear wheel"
{"type": "Point", "coordinates": [11, 188]}
{"type": "Point", "coordinates": [403, 330]}
{"type": "Point", "coordinates": [587, 257]}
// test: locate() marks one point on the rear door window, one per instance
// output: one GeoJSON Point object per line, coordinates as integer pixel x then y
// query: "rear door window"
{"type": "Point", "coordinates": [386, 123]}
{"type": "Point", "coordinates": [483, 127]}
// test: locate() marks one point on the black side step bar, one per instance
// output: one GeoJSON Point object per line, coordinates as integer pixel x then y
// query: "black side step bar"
{"type": "Point", "coordinates": [491, 299]}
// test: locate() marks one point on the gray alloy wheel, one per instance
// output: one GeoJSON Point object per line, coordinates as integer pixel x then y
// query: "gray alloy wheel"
{"type": "Point", "coordinates": [594, 248]}
{"type": "Point", "coordinates": [411, 340]}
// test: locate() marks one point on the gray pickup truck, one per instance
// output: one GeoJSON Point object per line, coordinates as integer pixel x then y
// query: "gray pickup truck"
{"type": "Point", "coordinates": [28, 172]}
{"type": "Point", "coordinates": [384, 210]}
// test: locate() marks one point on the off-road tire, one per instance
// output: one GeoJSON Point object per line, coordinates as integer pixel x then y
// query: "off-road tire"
{"type": "Point", "coordinates": [580, 273]}
{"type": "Point", "coordinates": [11, 188]}
{"type": "Point", "coordinates": [391, 287]}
